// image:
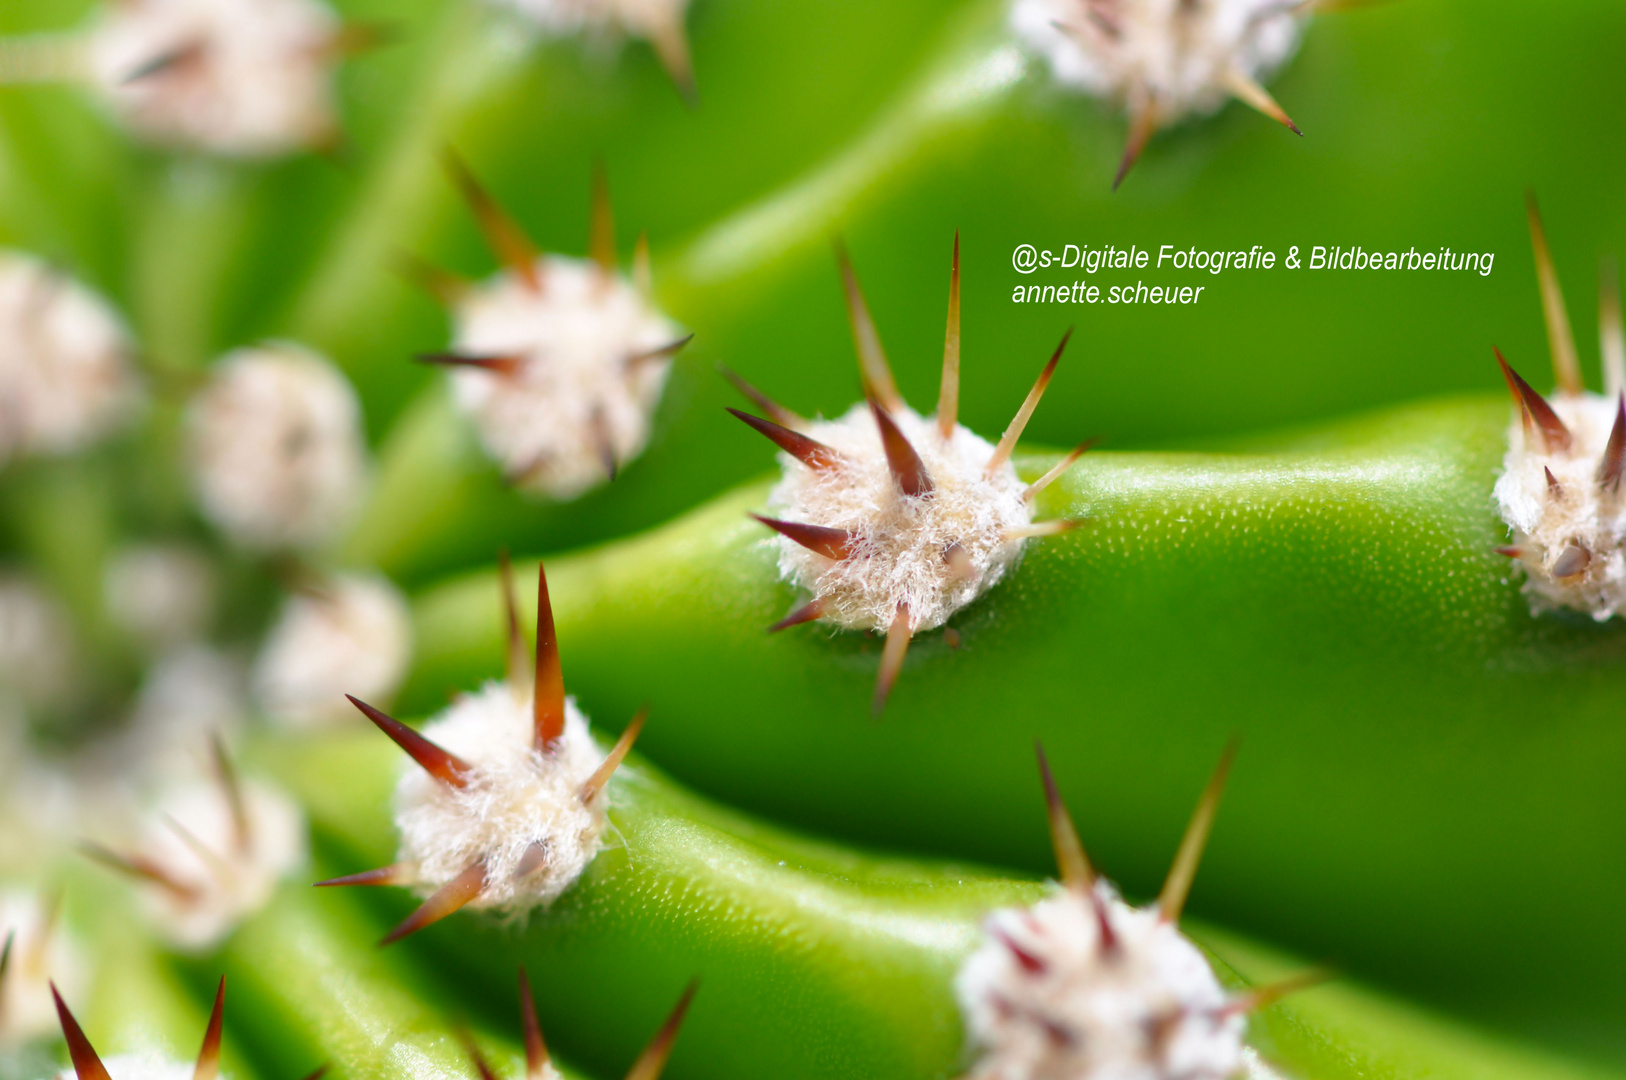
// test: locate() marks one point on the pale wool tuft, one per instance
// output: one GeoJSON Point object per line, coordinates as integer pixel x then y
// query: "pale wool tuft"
{"type": "Point", "coordinates": [42, 951]}
{"type": "Point", "coordinates": [1178, 53]}
{"type": "Point", "coordinates": [278, 457]}
{"type": "Point", "coordinates": [242, 78]}
{"type": "Point", "coordinates": [642, 18]}
{"type": "Point", "coordinates": [142, 1066]}
{"type": "Point", "coordinates": [520, 813]}
{"type": "Point", "coordinates": [67, 376]}
{"type": "Point", "coordinates": [1553, 530]}
{"type": "Point", "coordinates": [901, 555]}
{"type": "Point", "coordinates": [578, 379]}
{"type": "Point", "coordinates": [228, 882]}
{"type": "Point", "coordinates": [351, 634]}
{"type": "Point", "coordinates": [1150, 1010]}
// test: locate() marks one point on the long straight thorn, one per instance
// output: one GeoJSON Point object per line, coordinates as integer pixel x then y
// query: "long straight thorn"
{"type": "Point", "coordinates": [1040, 529]}
{"type": "Point", "coordinates": [892, 655]}
{"type": "Point", "coordinates": [1560, 339]}
{"type": "Point", "coordinates": [948, 398]}
{"type": "Point", "coordinates": [780, 415]}
{"type": "Point", "coordinates": [809, 611]}
{"type": "Point", "coordinates": [208, 1066]}
{"type": "Point", "coordinates": [1535, 408]}
{"type": "Point", "coordinates": [86, 1064]}
{"type": "Point", "coordinates": [447, 900]}
{"type": "Point", "coordinates": [652, 1061]}
{"type": "Point", "coordinates": [1177, 886]}
{"type": "Point", "coordinates": [1611, 337]}
{"type": "Point", "coordinates": [810, 452]}
{"type": "Point", "coordinates": [1057, 469]}
{"type": "Point", "coordinates": [394, 874]}
{"type": "Point", "coordinates": [601, 232]}
{"type": "Point", "coordinates": [497, 365]}
{"type": "Point", "coordinates": [661, 352]}
{"type": "Point", "coordinates": [872, 365]}
{"type": "Point", "coordinates": [834, 544]}
{"type": "Point", "coordinates": [907, 468]}
{"type": "Point", "coordinates": [1266, 996]}
{"type": "Point", "coordinates": [536, 1050]}
{"type": "Point", "coordinates": [548, 704]}
{"type": "Point", "coordinates": [1614, 452]}
{"type": "Point", "coordinates": [444, 766]}
{"type": "Point", "coordinates": [518, 663]}
{"type": "Point", "coordinates": [232, 788]}
{"type": "Point", "coordinates": [1142, 122]}
{"type": "Point", "coordinates": [503, 234]}
{"type": "Point", "coordinates": [612, 761]}
{"type": "Point", "coordinates": [1007, 441]}
{"type": "Point", "coordinates": [1248, 91]}
{"type": "Point", "coordinates": [138, 866]}
{"type": "Point", "coordinates": [1071, 862]}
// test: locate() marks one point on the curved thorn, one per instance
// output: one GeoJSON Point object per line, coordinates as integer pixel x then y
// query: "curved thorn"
{"type": "Point", "coordinates": [809, 611]}
{"type": "Point", "coordinates": [613, 759]}
{"type": "Point", "coordinates": [518, 664]}
{"type": "Point", "coordinates": [948, 398]}
{"type": "Point", "coordinates": [446, 767]}
{"type": "Point", "coordinates": [1611, 336]}
{"type": "Point", "coordinates": [810, 452]}
{"type": "Point", "coordinates": [671, 348]}
{"type": "Point", "coordinates": [1177, 886]}
{"type": "Point", "coordinates": [1265, 996]}
{"type": "Point", "coordinates": [1560, 339]}
{"type": "Point", "coordinates": [1071, 862]}
{"type": "Point", "coordinates": [1614, 452]}
{"type": "Point", "coordinates": [503, 234]}
{"type": "Point", "coordinates": [872, 365]}
{"type": "Point", "coordinates": [1250, 93]}
{"type": "Point", "coordinates": [536, 1050]}
{"type": "Point", "coordinates": [448, 899]}
{"type": "Point", "coordinates": [139, 866]}
{"type": "Point", "coordinates": [1142, 123]}
{"type": "Point", "coordinates": [892, 655]}
{"type": "Point", "coordinates": [208, 1066]}
{"type": "Point", "coordinates": [653, 1060]}
{"type": "Point", "coordinates": [497, 365]}
{"type": "Point", "coordinates": [831, 543]}
{"type": "Point", "coordinates": [86, 1065]}
{"type": "Point", "coordinates": [548, 702]}
{"type": "Point", "coordinates": [1007, 441]}
{"type": "Point", "coordinates": [1056, 470]}
{"type": "Point", "coordinates": [1535, 408]}
{"type": "Point", "coordinates": [781, 415]}
{"type": "Point", "coordinates": [601, 230]}
{"type": "Point", "coordinates": [394, 874]}
{"type": "Point", "coordinates": [907, 468]}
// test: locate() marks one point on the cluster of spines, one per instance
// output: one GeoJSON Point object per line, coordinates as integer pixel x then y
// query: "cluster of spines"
{"type": "Point", "coordinates": [909, 472]}
{"type": "Point", "coordinates": [543, 674]}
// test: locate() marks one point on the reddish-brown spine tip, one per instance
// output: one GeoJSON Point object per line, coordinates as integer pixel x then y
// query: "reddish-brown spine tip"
{"type": "Point", "coordinates": [809, 611]}
{"type": "Point", "coordinates": [548, 705]}
{"type": "Point", "coordinates": [1535, 408]}
{"type": "Point", "coordinates": [893, 652]}
{"type": "Point", "coordinates": [497, 365]}
{"type": "Point", "coordinates": [661, 352]}
{"type": "Point", "coordinates": [1071, 862]}
{"type": "Point", "coordinates": [503, 234]}
{"type": "Point", "coordinates": [780, 415]}
{"type": "Point", "coordinates": [601, 233]}
{"type": "Point", "coordinates": [86, 1064]}
{"type": "Point", "coordinates": [873, 368]}
{"type": "Point", "coordinates": [1142, 122]}
{"type": "Point", "coordinates": [1177, 886]}
{"type": "Point", "coordinates": [831, 543]}
{"type": "Point", "coordinates": [536, 1050]}
{"type": "Point", "coordinates": [208, 1066]}
{"type": "Point", "coordinates": [652, 1061]}
{"type": "Point", "coordinates": [1013, 432]}
{"type": "Point", "coordinates": [948, 396]}
{"type": "Point", "coordinates": [451, 897]}
{"type": "Point", "coordinates": [907, 468]}
{"type": "Point", "coordinates": [443, 766]}
{"type": "Point", "coordinates": [1614, 453]}
{"type": "Point", "coordinates": [810, 452]}
{"type": "Point", "coordinates": [612, 761]}
{"type": "Point", "coordinates": [394, 874]}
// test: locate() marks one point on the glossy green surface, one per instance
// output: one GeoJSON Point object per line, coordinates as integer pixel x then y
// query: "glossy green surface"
{"type": "Point", "coordinates": [1430, 787]}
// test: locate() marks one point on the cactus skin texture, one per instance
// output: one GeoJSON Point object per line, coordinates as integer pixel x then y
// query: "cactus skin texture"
{"type": "Point", "coordinates": [1330, 594]}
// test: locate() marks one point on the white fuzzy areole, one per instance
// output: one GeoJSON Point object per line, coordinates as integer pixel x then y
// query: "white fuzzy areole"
{"type": "Point", "coordinates": [160, 594]}
{"type": "Point", "coordinates": [353, 634]}
{"type": "Point", "coordinates": [1149, 1011]}
{"type": "Point", "coordinates": [277, 453]}
{"type": "Point", "coordinates": [1582, 514]}
{"type": "Point", "coordinates": [42, 951]}
{"type": "Point", "coordinates": [643, 18]}
{"type": "Point", "coordinates": [147, 1065]}
{"type": "Point", "coordinates": [575, 338]}
{"type": "Point", "coordinates": [67, 377]}
{"type": "Point", "coordinates": [515, 799]}
{"type": "Point", "coordinates": [900, 555]}
{"type": "Point", "coordinates": [1176, 51]}
{"type": "Point", "coordinates": [231, 883]}
{"type": "Point", "coordinates": [251, 78]}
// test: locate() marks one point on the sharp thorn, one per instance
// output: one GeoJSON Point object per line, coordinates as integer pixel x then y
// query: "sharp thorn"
{"type": "Point", "coordinates": [1172, 900]}
{"type": "Point", "coordinates": [448, 899]}
{"type": "Point", "coordinates": [1054, 527]}
{"type": "Point", "coordinates": [601, 234]}
{"type": "Point", "coordinates": [476, 1057]}
{"type": "Point", "coordinates": [233, 790]}
{"type": "Point", "coordinates": [1142, 122]}
{"type": "Point", "coordinates": [448, 768]}
{"type": "Point", "coordinates": [652, 1061]}
{"type": "Point", "coordinates": [548, 702]}
{"type": "Point", "coordinates": [1019, 423]}
{"type": "Point", "coordinates": [1250, 93]}
{"type": "Point", "coordinates": [1554, 488]}
{"type": "Point", "coordinates": [394, 874]}
{"type": "Point", "coordinates": [613, 759]}
{"type": "Point", "coordinates": [208, 1065]}
{"type": "Point", "coordinates": [892, 655]}
{"type": "Point", "coordinates": [1555, 435]}
{"type": "Point", "coordinates": [1265, 996]}
{"type": "Point", "coordinates": [520, 674]}
{"type": "Point", "coordinates": [1071, 862]}
{"type": "Point", "coordinates": [503, 234]}
{"type": "Point", "coordinates": [948, 397]}
{"type": "Point", "coordinates": [536, 1050]}
{"type": "Point", "coordinates": [1560, 339]}
{"type": "Point", "coordinates": [447, 288]}
{"type": "Point", "coordinates": [497, 365]}
{"type": "Point", "coordinates": [1611, 337]}
{"type": "Point", "coordinates": [643, 273]}
{"type": "Point", "coordinates": [781, 415]}
{"type": "Point", "coordinates": [86, 1064]}
{"type": "Point", "coordinates": [671, 348]}
{"type": "Point", "coordinates": [1056, 470]}
{"type": "Point", "coordinates": [1510, 552]}
{"type": "Point", "coordinates": [138, 866]}
{"type": "Point", "coordinates": [831, 543]}
{"type": "Point", "coordinates": [810, 452]}
{"type": "Point", "coordinates": [907, 468]}
{"type": "Point", "coordinates": [1614, 452]}
{"type": "Point", "coordinates": [671, 47]}
{"type": "Point", "coordinates": [319, 1072]}
{"type": "Point", "coordinates": [809, 611]}
{"type": "Point", "coordinates": [604, 439]}
{"type": "Point", "coordinates": [872, 365]}
{"type": "Point", "coordinates": [1030, 962]}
